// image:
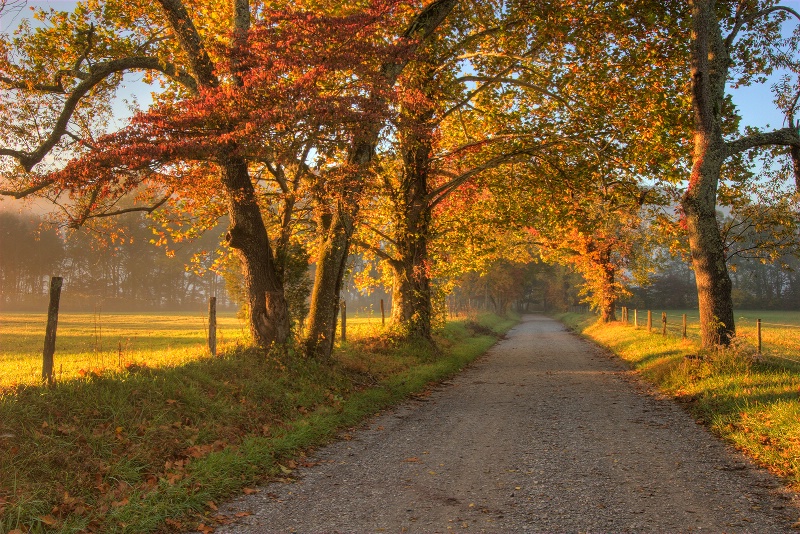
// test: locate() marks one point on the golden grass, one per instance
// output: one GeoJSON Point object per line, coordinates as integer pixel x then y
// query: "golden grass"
{"type": "Point", "coordinates": [151, 449]}
{"type": "Point", "coordinates": [780, 330]}
{"type": "Point", "coordinates": [92, 344]}
{"type": "Point", "coordinates": [88, 343]}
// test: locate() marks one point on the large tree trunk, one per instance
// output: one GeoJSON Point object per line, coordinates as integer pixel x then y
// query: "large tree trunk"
{"type": "Point", "coordinates": [269, 317]}
{"type": "Point", "coordinates": [608, 299]}
{"type": "Point", "coordinates": [411, 293]}
{"type": "Point", "coordinates": [332, 249]}
{"type": "Point", "coordinates": [708, 256]}
{"type": "Point", "coordinates": [247, 235]}
{"type": "Point", "coordinates": [411, 298]}
{"type": "Point", "coordinates": [710, 63]}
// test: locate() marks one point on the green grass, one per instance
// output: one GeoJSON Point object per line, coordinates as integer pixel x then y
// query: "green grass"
{"type": "Point", "coordinates": [153, 448]}
{"type": "Point", "coordinates": [752, 402]}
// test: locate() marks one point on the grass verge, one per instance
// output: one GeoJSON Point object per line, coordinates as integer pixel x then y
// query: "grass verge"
{"type": "Point", "coordinates": [751, 403]}
{"type": "Point", "coordinates": [153, 449]}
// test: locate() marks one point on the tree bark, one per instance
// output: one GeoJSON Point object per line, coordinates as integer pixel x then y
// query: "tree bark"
{"type": "Point", "coordinates": [710, 63]}
{"type": "Point", "coordinates": [247, 235]}
{"type": "Point", "coordinates": [332, 248]}
{"type": "Point", "coordinates": [411, 293]}
{"type": "Point", "coordinates": [795, 153]}
{"type": "Point", "coordinates": [411, 298]}
{"type": "Point", "coordinates": [608, 300]}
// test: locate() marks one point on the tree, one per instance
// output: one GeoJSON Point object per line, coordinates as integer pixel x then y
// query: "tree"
{"type": "Point", "coordinates": [336, 222]}
{"type": "Point", "coordinates": [66, 84]}
{"type": "Point", "coordinates": [728, 39]}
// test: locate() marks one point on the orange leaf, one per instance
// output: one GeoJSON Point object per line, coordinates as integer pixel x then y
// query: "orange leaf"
{"type": "Point", "coordinates": [250, 491]}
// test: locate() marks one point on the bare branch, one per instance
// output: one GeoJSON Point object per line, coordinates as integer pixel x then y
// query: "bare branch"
{"type": "Point", "coordinates": [782, 137]}
{"type": "Point", "coordinates": [514, 81]}
{"type": "Point", "coordinates": [377, 251]}
{"type": "Point", "coordinates": [26, 192]}
{"type": "Point", "coordinates": [379, 233]}
{"type": "Point", "coordinates": [97, 75]}
{"type": "Point", "coordinates": [145, 209]}
{"type": "Point", "coordinates": [740, 23]}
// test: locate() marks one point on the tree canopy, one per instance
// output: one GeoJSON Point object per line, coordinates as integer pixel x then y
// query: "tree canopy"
{"type": "Point", "coordinates": [436, 138]}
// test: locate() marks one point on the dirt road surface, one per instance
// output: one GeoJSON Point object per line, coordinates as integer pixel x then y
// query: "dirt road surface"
{"type": "Point", "coordinates": [546, 433]}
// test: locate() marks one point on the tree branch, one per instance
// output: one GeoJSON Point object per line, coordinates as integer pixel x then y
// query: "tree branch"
{"type": "Point", "coordinates": [379, 233]}
{"type": "Point", "coordinates": [438, 194]}
{"type": "Point", "coordinates": [514, 81]}
{"type": "Point", "coordinates": [782, 137]}
{"type": "Point", "coordinates": [26, 192]}
{"type": "Point", "coordinates": [752, 18]}
{"type": "Point", "coordinates": [377, 251]}
{"type": "Point", "coordinates": [98, 74]}
{"type": "Point", "coordinates": [200, 63]}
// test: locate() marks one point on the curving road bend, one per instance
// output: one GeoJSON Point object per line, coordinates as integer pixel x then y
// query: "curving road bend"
{"type": "Point", "coordinates": [545, 433]}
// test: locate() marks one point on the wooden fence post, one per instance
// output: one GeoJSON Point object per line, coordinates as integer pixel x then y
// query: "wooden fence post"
{"type": "Point", "coordinates": [383, 315]}
{"type": "Point", "coordinates": [635, 318]}
{"type": "Point", "coordinates": [212, 326]}
{"type": "Point", "coordinates": [344, 321]}
{"type": "Point", "coordinates": [50, 332]}
{"type": "Point", "coordinates": [649, 321]}
{"type": "Point", "coordinates": [684, 326]}
{"type": "Point", "coordinates": [663, 323]}
{"type": "Point", "coordinates": [758, 329]}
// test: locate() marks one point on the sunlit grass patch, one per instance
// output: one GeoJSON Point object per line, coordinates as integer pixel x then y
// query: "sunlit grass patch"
{"type": "Point", "coordinates": [780, 330]}
{"type": "Point", "coordinates": [93, 344]}
{"type": "Point", "coordinates": [750, 401]}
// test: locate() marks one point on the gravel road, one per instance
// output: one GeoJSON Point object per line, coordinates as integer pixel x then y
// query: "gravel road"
{"type": "Point", "coordinates": [545, 433]}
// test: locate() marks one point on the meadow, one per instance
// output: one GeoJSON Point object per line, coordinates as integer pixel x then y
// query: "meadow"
{"type": "Point", "coordinates": [94, 344]}
{"type": "Point", "coordinates": [780, 330]}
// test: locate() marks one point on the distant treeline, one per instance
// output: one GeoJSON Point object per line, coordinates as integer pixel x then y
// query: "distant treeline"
{"type": "Point", "coordinates": [757, 285]}
{"type": "Point", "coordinates": [127, 273]}
{"type": "Point", "coordinates": [539, 286]}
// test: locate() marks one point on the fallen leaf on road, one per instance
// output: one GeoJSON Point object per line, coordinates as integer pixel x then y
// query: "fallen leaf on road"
{"type": "Point", "coordinates": [285, 470]}
{"type": "Point", "coordinates": [250, 491]}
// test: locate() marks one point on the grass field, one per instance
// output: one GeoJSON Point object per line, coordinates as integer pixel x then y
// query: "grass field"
{"type": "Point", "coordinates": [88, 343]}
{"type": "Point", "coordinates": [780, 330]}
